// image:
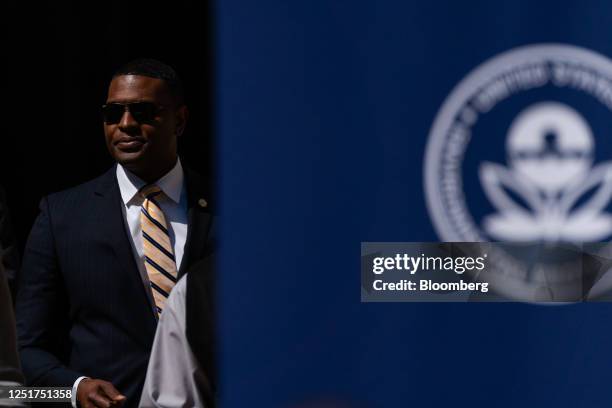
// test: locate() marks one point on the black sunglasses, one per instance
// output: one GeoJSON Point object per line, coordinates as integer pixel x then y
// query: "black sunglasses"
{"type": "Point", "coordinates": [142, 112]}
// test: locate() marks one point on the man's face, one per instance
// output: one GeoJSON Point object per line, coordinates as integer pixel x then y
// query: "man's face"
{"type": "Point", "coordinates": [144, 147]}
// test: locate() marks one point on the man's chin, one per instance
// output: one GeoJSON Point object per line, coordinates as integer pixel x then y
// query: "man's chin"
{"type": "Point", "coordinates": [128, 158]}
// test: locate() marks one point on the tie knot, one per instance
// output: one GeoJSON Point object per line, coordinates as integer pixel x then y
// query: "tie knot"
{"type": "Point", "coordinates": [149, 191]}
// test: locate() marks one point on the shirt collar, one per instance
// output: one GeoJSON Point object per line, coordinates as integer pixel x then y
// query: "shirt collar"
{"type": "Point", "coordinates": [171, 183]}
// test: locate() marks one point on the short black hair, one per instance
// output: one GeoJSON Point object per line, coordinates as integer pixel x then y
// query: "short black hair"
{"type": "Point", "coordinates": [155, 69]}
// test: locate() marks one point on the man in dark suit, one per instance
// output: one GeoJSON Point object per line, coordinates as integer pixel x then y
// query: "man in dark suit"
{"type": "Point", "coordinates": [103, 257]}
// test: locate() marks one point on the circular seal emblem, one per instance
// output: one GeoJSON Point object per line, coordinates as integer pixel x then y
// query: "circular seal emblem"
{"type": "Point", "coordinates": [520, 152]}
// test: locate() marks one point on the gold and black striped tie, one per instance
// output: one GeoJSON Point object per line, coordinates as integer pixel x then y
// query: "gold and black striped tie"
{"type": "Point", "coordinates": [157, 247]}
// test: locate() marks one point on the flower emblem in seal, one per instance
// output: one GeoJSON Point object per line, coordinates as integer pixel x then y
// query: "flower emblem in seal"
{"type": "Point", "coordinates": [520, 151]}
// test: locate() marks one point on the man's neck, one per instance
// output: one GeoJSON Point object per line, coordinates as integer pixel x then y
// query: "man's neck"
{"type": "Point", "coordinates": [153, 174]}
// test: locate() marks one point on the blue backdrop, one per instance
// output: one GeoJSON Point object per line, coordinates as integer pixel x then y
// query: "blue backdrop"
{"type": "Point", "coordinates": [323, 114]}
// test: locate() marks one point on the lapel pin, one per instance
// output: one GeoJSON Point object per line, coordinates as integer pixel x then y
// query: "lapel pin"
{"type": "Point", "coordinates": [202, 203]}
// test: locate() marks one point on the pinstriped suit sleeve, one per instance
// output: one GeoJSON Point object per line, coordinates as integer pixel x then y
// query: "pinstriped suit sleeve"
{"type": "Point", "coordinates": [42, 309]}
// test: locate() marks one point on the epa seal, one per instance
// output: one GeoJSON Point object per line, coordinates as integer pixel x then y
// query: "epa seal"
{"type": "Point", "coordinates": [520, 152]}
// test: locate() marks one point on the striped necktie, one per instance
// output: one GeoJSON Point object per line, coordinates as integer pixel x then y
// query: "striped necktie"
{"type": "Point", "coordinates": [157, 247]}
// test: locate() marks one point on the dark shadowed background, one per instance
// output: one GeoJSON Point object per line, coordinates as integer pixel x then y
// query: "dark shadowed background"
{"type": "Point", "coordinates": [58, 59]}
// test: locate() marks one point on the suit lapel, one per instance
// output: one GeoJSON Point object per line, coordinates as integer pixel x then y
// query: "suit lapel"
{"type": "Point", "coordinates": [114, 229]}
{"type": "Point", "coordinates": [199, 220]}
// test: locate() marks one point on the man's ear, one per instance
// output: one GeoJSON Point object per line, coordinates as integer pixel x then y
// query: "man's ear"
{"type": "Point", "coordinates": [182, 114]}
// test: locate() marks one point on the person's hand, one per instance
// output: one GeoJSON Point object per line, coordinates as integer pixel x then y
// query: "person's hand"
{"type": "Point", "coordinates": [97, 393]}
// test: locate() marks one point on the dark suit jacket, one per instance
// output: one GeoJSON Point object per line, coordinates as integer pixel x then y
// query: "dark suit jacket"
{"type": "Point", "coordinates": [82, 308]}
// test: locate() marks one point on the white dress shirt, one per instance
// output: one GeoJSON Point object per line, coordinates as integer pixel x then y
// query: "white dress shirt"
{"type": "Point", "coordinates": [174, 375]}
{"type": "Point", "coordinates": [174, 205]}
